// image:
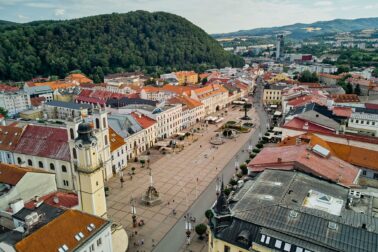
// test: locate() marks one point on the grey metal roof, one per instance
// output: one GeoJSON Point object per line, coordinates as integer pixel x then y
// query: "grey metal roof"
{"type": "Point", "coordinates": [268, 203]}
{"type": "Point", "coordinates": [38, 90]}
{"type": "Point", "coordinates": [124, 125]}
{"type": "Point", "coordinates": [69, 105]}
{"type": "Point", "coordinates": [318, 118]}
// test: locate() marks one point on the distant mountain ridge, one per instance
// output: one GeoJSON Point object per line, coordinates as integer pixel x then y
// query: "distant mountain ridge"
{"type": "Point", "coordinates": [302, 31]}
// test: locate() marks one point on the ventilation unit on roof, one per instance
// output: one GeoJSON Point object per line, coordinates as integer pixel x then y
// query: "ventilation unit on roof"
{"type": "Point", "coordinates": [332, 225]}
{"type": "Point", "coordinates": [321, 150]}
{"type": "Point", "coordinates": [293, 214]}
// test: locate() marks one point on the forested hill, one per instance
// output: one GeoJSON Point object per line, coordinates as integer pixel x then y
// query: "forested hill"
{"type": "Point", "coordinates": [156, 42]}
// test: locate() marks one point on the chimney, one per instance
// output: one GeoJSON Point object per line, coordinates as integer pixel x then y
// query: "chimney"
{"type": "Point", "coordinates": [56, 199]}
{"type": "Point", "coordinates": [279, 160]}
{"type": "Point", "coordinates": [17, 206]}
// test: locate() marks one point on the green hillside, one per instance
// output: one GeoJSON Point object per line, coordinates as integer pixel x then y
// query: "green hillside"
{"type": "Point", "coordinates": [98, 45]}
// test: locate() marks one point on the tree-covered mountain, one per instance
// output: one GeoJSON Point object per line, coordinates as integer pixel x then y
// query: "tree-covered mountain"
{"type": "Point", "coordinates": [98, 45]}
{"type": "Point", "coordinates": [303, 31]}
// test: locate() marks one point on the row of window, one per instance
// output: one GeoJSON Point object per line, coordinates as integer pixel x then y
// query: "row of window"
{"type": "Point", "coordinates": [40, 164]}
{"type": "Point", "coordinates": [362, 122]}
{"type": "Point", "coordinates": [278, 244]}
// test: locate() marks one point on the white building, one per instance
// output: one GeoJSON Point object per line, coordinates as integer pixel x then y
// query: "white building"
{"type": "Point", "coordinates": [118, 151]}
{"type": "Point", "coordinates": [363, 123]}
{"type": "Point", "coordinates": [19, 183]}
{"type": "Point", "coordinates": [14, 101]}
{"type": "Point", "coordinates": [9, 136]}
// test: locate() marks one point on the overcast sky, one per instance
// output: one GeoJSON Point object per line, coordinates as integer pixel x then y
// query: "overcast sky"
{"type": "Point", "coordinates": [214, 16]}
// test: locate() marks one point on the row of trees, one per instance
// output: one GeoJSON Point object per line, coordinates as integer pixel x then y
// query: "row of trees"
{"type": "Point", "coordinates": [99, 45]}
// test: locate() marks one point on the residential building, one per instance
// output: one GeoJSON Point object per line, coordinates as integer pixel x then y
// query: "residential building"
{"type": "Point", "coordinates": [54, 85]}
{"type": "Point", "coordinates": [165, 92]}
{"type": "Point", "coordinates": [364, 122]}
{"type": "Point", "coordinates": [329, 79]}
{"type": "Point", "coordinates": [65, 110]}
{"type": "Point", "coordinates": [69, 230]}
{"type": "Point", "coordinates": [118, 151]}
{"type": "Point", "coordinates": [291, 211]}
{"type": "Point", "coordinates": [187, 77]}
{"type": "Point", "coordinates": [213, 96]}
{"type": "Point", "coordinates": [78, 79]}
{"type": "Point", "coordinates": [125, 79]}
{"type": "Point", "coordinates": [193, 111]}
{"type": "Point", "coordinates": [9, 137]}
{"type": "Point", "coordinates": [273, 94]}
{"type": "Point", "coordinates": [23, 183]}
{"type": "Point", "coordinates": [14, 101]}
{"type": "Point", "coordinates": [149, 126]}
{"type": "Point", "coordinates": [39, 92]}
{"type": "Point", "coordinates": [280, 47]}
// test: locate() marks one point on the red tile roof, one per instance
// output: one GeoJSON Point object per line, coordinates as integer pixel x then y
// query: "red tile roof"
{"type": "Point", "coordinates": [330, 76]}
{"type": "Point", "coordinates": [371, 106]}
{"type": "Point", "coordinates": [9, 137]}
{"type": "Point", "coordinates": [56, 199]}
{"type": "Point", "coordinates": [342, 111]}
{"type": "Point", "coordinates": [11, 174]}
{"type": "Point", "coordinates": [116, 140]}
{"type": "Point", "coordinates": [301, 124]}
{"type": "Point", "coordinates": [43, 141]}
{"type": "Point", "coordinates": [37, 101]}
{"type": "Point", "coordinates": [187, 101]}
{"type": "Point", "coordinates": [144, 121]}
{"type": "Point", "coordinates": [298, 157]}
{"type": "Point", "coordinates": [341, 98]}
{"type": "Point", "coordinates": [7, 88]}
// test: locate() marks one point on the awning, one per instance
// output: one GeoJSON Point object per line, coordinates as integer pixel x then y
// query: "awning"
{"type": "Point", "coordinates": [273, 106]}
{"type": "Point", "coordinates": [277, 113]}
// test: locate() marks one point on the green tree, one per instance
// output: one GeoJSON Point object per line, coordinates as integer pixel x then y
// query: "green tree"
{"type": "Point", "coordinates": [307, 76]}
{"type": "Point", "coordinates": [357, 90]}
{"type": "Point", "coordinates": [375, 72]}
{"type": "Point", "coordinates": [3, 112]}
{"type": "Point", "coordinates": [349, 88]}
{"type": "Point", "coordinates": [209, 214]}
{"type": "Point", "coordinates": [204, 81]}
{"type": "Point", "coordinates": [342, 69]}
{"type": "Point", "coordinates": [201, 230]}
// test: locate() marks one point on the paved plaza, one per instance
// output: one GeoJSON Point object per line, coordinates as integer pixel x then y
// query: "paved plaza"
{"type": "Point", "coordinates": [180, 178]}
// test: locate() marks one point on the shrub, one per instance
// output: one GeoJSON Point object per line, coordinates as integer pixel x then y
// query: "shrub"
{"type": "Point", "coordinates": [201, 230]}
{"type": "Point", "coordinates": [233, 182]}
{"type": "Point", "coordinates": [209, 214]}
{"type": "Point", "coordinates": [255, 150]}
{"type": "Point", "coordinates": [265, 139]}
{"type": "Point", "coordinates": [259, 145]}
{"type": "Point", "coordinates": [239, 175]}
{"type": "Point", "coordinates": [247, 161]}
{"type": "Point", "coordinates": [227, 191]}
{"type": "Point", "coordinates": [252, 155]}
{"type": "Point", "coordinates": [148, 153]}
{"type": "Point", "coordinates": [142, 161]}
{"type": "Point", "coordinates": [244, 169]}
{"type": "Point", "coordinates": [266, 134]}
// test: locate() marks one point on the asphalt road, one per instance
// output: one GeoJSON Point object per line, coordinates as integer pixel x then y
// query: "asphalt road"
{"type": "Point", "coordinates": [175, 238]}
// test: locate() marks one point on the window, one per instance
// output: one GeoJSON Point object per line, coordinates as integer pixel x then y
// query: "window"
{"type": "Point", "coordinates": [375, 176]}
{"type": "Point", "coordinates": [106, 139]}
{"type": "Point", "coordinates": [97, 123]}
{"type": "Point", "coordinates": [299, 249]}
{"type": "Point", "coordinates": [74, 153]}
{"type": "Point", "coordinates": [91, 248]}
{"type": "Point", "coordinates": [287, 247]}
{"type": "Point", "coordinates": [65, 182]}
{"type": "Point", "coordinates": [30, 163]}
{"type": "Point", "coordinates": [278, 244]}
{"type": "Point", "coordinates": [364, 172]}
{"type": "Point", "coordinates": [99, 241]}
{"type": "Point", "coordinates": [227, 248]}
{"type": "Point", "coordinates": [72, 135]}
{"type": "Point", "coordinates": [104, 122]}
{"type": "Point", "coordinates": [64, 168]}
{"type": "Point", "coordinates": [52, 166]}
{"type": "Point", "coordinates": [40, 164]}
{"type": "Point", "coordinates": [262, 238]}
{"type": "Point", "coordinates": [267, 241]}
{"type": "Point", "coordinates": [19, 161]}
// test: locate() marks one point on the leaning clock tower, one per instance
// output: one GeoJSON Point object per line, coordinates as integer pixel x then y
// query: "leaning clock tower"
{"type": "Point", "coordinates": [90, 172]}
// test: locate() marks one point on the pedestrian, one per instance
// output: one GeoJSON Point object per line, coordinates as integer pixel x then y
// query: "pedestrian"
{"type": "Point", "coordinates": [174, 212]}
{"type": "Point", "coordinates": [200, 146]}
{"type": "Point", "coordinates": [197, 179]}
{"type": "Point", "coordinates": [136, 232]}
{"type": "Point", "coordinates": [173, 201]}
{"type": "Point", "coordinates": [142, 242]}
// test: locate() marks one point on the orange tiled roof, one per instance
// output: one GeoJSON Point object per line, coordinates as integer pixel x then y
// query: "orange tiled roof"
{"type": "Point", "coordinates": [116, 140]}
{"type": "Point", "coordinates": [342, 111]}
{"type": "Point", "coordinates": [351, 154]}
{"type": "Point", "coordinates": [144, 121]}
{"type": "Point", "coordinates": [182, 90]}
{"type": "Point", "coordinates": [185, 73]}
{"type": "Point", "coordinates": [210, 90]}
{"type": "Point", "coordinates": [330, 76]}
{"type": "Point", "coordinates": [189, 102]}
{"type": "Point", "coordinates": [54, 85]}
{"type": "Point", "coordinates": [81, 78]}
{"type": "Point", "coordinates": [11, 174]}
{"type": "Point", "coordinates": [6, 88]}
{"type": "Point", "coordinates": [60, 231]}
{"type": "Point", "coordinates": [9, 137]}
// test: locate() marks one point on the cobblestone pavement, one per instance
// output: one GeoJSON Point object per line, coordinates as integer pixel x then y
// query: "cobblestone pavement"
{"type": "Point", "coordinates": [179, 178]}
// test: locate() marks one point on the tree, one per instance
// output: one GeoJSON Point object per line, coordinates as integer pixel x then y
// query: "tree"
{"type": "Point", "coordinates": [204, 81]}
{"type": "Point", "coordinates": [357, 90]}
{"type": "Point", "coordinates": [244, 169]}
{"type": "Point", "coordinates": [342, 69]}
{"type": "Point", "coordinates": [201, 230]}
{"type": "Point", "coordinates": [349, 88]}
{"type": "Point", "coordinates": [307, 76]}
{"type": "Point", "coordinates": [375, 72]}
{"type": "Point", "coordinates": [3, 112]}
{"type": "Point", "coordinates": [209, 214]}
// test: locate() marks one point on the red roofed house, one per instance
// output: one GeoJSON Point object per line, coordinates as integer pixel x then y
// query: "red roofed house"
{"type": "Point", "coordinates": [213, 96]}
{"type": "Point", "coordinates": [317, 161]}
{"type": "Point", "coordinates": [117, 151]}
{"type": "Point", "coordinates": [56, 199]}
{"type": "Point", "coordinates": [47, 148]}
{"type": "Point", "coordinates": [23, 183]}
{"type": "Point", "coordinates": [149, 126]}
{"type": "Point", "coordinates": [9, 136]}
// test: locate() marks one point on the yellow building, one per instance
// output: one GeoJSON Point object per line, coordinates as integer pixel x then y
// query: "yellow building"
{"type": "Point", "coordinates": [273, 94]}
{"type": "Point", "coordinates": [279, 78]}
{"type": "Point", "coordinates": [187, 77]}
{"type": "Point", "coordinates": [90, 172]}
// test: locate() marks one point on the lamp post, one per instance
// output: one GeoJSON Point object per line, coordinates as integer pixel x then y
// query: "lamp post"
{"type": "Point", "coordinates": [133, 211]}
{"type": "Point", "coordinates": [236, 162]}
{"type": "Point", "coordinates": [218, 186]}
{"type": "Point", "coordinates": [188, 227]}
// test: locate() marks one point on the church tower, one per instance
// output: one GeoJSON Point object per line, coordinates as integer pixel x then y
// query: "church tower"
{"type": "Point", "coordinates": [90, 172]}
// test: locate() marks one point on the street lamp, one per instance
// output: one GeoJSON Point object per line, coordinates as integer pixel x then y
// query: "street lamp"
{"type": "Point", "coordinates": [188, 227]}
{"type": "Point", "coordinates": [133, 211]}
{"type": "Point", "coordinates": [218, 186]}
{"type": "Point", "coordinates": [236, 162]}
